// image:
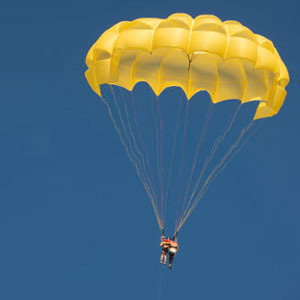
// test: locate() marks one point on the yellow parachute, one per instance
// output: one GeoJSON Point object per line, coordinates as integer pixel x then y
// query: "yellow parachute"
{"type": "Point", "coordinates": [226, 59]}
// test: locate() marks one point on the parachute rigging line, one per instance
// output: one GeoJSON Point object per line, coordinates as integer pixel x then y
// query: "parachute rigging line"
{"type": "Point", "coordinates": [200, 141]}
{"type": "Point", "coordinates": [131, 158]}
{"type": "Point", "coordinates": [220, 167]}
{"type": "Point", "coordinates": [215, 147]}
{"type": "Point", "coordinates": [173, 147]}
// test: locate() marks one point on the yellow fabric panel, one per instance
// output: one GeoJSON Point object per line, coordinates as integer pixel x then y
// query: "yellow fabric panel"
{"type": "Point", "coordinates": [173, 37]}
{"type": "Point", "coordinates": [205, 19]}
{"type": "Point", "coordinates": [263, 111]}
{"type": "Point", "coordinates": [230, 80]}
{"type": "Point", "coordinates": [283, 78]}
{"type": "Point", "coordinates": [203, 74]}
{"type": "Point", "coordinates": [185, 19]}
{"type": "Point", "coordinates": [226, 59]}
{"type": "Point", "coordinates": [209, 37]}
{"type": "Point", "coordinates": [242, 44]}
{"type": "Point", "coordinates": [174, 70]}
{"type": "Point", "coordinates": [125, 68]}
{"type": "Point", "coordinates": [89, 74]}
{"type": "Point", "coordinates": [257, 86]}
{"type": "Point", "coordinates": [141, 42]}
{"type": "Point", "coordinates": [277, 98]}
{"type": "Point", "coordinates": [147, 68]}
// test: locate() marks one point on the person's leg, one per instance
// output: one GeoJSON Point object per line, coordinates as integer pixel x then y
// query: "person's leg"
{"type": "Point", "coordinates": [165, 258]}
{"type": "Point", "coordinates": [161, 257]}
{"type": "Point", "coordinates": [171, 257]}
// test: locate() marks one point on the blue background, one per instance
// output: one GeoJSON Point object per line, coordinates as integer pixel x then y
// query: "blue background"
{"type": "Point", "coordinates": [75, 222]}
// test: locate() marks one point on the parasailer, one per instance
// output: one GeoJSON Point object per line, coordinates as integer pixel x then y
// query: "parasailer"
{"type": "Point", "coordinates": [168, 246]}
{"type": "Point", "coordinates": [165, 245]}
{"type": "Point", "coordinates": [172, 251]}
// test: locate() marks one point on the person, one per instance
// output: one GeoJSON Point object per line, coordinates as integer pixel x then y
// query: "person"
{"type": "Point", "coordinates": [173, 248]}
{"type": "Point", "coordinates": [165, 244]}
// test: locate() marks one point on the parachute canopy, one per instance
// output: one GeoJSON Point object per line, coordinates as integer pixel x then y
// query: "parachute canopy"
{"type": "Point", "coordinates": [226, 59]}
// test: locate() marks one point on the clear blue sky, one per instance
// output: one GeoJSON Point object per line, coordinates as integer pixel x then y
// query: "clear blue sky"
{"type": "Point", "coordinates": [75, 222]}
